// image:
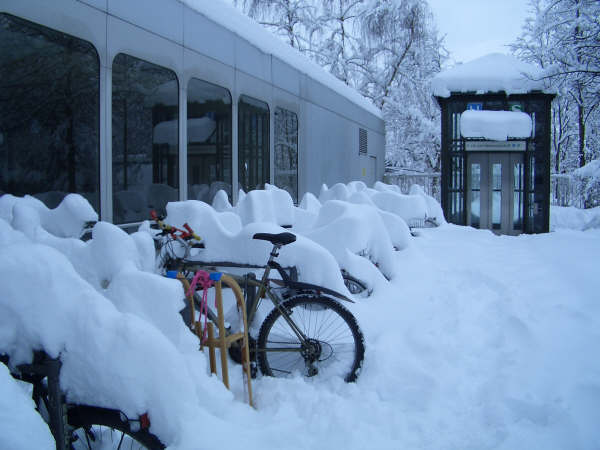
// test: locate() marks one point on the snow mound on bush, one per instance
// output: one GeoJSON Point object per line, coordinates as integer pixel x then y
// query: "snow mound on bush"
{"type": "Point", "coordinates": [562, 217]}
{"type": "Point", "coordinates": [384, 187]}
{"type": "Point", "coordinates": [221, 202]}
{"type": "Point", "coordinates": [395, 226]}
{"type": "Point", "coordinates": [66, 220]}
{"type": "Point", "coordinates": [434, 209]}
{"type": "Point", "coordinates": [22, 426]}
{"type": "Point", "coordinates": [408, 207]}
{"type": "Point", "coordinates": [102, 348]}
{"type": "Point", "coordinates": [353, 229]}
{"type": "Point", "coordinates": [314, 263]}
{"type": "Point", "coordinates": [338, 191]}
{"type": "Point", "coordinates": [270, 205]}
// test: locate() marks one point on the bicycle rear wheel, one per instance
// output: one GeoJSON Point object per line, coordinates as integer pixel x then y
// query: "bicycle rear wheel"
{"type": "Point", "coordinates": [335, 345]}
{"type": "Point", "coordinates": [101, 428]}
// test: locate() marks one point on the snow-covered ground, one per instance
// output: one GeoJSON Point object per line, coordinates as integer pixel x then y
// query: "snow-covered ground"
{"type": "Point", "coordinates": [482, 342]}
{"type": "Point", "coordinates": [571, 218]}
{"type": "Point", "coordinates": [476, 342]}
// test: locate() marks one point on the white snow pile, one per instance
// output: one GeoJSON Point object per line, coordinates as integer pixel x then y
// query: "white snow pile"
{"type": "Point", "coordinates": [563, 217]}
{"type": "Point", "coordinates": [590, 170]}
{"type": "Point", "coordinates": [359, 227]}
{"type": "Point", "coordinates": [270, 205]}
{"type": "Point", "coordinates": [314, 263]}
{"type": "Point", "coordinates": [587, 183]}
{"type": "Point", "coordinates": [66, 220]}
{"type": "Point", "coordinates": [115, 324]}
{"type": "Point", "coordinates": [434, 209]}
{"type": "Point", "coordinates": [389, 198]}
{"type": "Point", "coordinates": [463, 350]}
{"type": "Point", "coordinates": [495, 125]}
{"type": "Point", "coordinates": [22, 427]}
{"type": "Point", "coordinates": [357, 238]}
{"type": "Point", "coordinates": [491, 73]}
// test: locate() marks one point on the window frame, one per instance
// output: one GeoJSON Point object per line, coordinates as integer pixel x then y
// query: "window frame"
{"type": "Point", "coordinates": [229, 144]}
{"type": "Point", "coordinates": [262, 165]}
{"type": "Point", "coordinates": [297, 143]}
{"type": "Point", "coordinates": [157, 169]}
{"type": "Point", "coordinates": [56, 37]}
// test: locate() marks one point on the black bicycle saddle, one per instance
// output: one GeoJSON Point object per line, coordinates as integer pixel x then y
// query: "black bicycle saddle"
{"type": "Point", "coordinates": [276, 239]}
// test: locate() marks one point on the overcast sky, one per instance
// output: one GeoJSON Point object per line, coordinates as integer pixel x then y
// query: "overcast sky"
{"type": "Point", "coordinates": [474, 28]}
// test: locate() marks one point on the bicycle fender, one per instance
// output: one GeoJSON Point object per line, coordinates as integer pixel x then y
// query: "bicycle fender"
{"type": "Point", "coordinates": [311, 288]}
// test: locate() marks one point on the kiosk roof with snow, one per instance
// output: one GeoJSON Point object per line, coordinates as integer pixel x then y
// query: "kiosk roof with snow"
{"type": "Point", "coordinates": [491, 73]}
{"type": "Point", "coordinates": [495, 144]}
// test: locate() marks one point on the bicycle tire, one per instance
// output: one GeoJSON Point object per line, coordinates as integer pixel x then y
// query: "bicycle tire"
{"type": "Point", "coordinates": [354, 285]}
{"type": "Point", "coordinates": [92, 426]}
{"type": "Point", "coordinates": [330, 328]}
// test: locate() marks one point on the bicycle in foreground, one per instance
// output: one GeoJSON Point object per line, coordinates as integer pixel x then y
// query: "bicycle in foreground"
{"type": "Point", "coordinates": [308, 331]}
{"type": "Point", "coordinates": [78, 426]}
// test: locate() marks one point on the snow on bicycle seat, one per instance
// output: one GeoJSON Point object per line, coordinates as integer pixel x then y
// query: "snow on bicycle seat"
{"type": "Point", "coordinates": [280, 238]}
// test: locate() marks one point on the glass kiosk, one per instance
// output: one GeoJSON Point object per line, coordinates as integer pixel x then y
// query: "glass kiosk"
{"type": "Point", "coordinates": [501, 185]}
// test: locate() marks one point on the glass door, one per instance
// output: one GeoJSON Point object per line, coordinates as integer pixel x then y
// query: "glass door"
{"type": "Point", "coordinates": [477, 180]}
{"type": "Point", "coordinates": [495, 192]}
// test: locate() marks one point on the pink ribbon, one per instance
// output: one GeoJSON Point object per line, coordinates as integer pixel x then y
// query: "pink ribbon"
{"type": "Point", "coordinates": [202, 278]}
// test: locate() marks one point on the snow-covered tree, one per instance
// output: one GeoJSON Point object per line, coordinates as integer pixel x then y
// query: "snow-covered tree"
{"type": "Point", "coordinates": [563, 36]}
{"type": "Point", "coordinates": [386, 49]}
{"type": "Point", "coordinates": [404, 53]}
{"type": "Point", "coordinates": [294, 21]}
{"type": "Point", "coordinates": [339, 49]}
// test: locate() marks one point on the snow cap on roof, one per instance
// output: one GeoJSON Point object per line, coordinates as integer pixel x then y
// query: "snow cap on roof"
{"type": "Point", "coordinates": [495, 125]}
{"type": "Point", "coordinates": [231, 18]}
{"type": "Point", "coordinates": [491, 73]}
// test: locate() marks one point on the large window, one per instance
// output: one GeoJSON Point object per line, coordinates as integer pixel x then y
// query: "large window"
{"type": "Point", "coordinates": [145, 151]}
{"type": "Point", "coordinates": [253, 143]}
{"type": "Point", "coordinates": [49, 120]}
{"type": "Point", "coordinates": [209, 140]}
{"type": "Point", "coordinates": [286, 151]}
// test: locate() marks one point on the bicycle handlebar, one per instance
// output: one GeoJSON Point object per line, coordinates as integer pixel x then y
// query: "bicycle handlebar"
{"type": "Point", "coordinates": [174, 231]}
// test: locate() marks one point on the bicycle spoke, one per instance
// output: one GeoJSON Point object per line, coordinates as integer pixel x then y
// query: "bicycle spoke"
{"type": "Point", "coordinates": [333, 345]}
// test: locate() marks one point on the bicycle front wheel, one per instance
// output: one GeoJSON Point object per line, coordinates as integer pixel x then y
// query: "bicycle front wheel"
{"type": "Point", "coordinates": [101, 428]}
{"type": "Point", "coordinates": [334, 345]}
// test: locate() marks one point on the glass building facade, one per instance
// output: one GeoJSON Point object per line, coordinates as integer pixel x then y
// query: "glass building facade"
{"type": "Point", "coordinates": [208, 140]}
{"type": "Point", "coordinates": [145, 136]}
{"type": "Point", "coordinates": [286, 151]}
{"type": "Point", "coordinates": [253, 143]}
{"type": "Point", "coordinates": [54, 119]}
{"type": "Point", "coordinates": [49, 113]}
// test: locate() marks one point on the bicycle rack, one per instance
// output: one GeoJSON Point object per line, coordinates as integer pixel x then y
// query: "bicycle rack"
{"type": "Point", "coordinates": [223, 341]}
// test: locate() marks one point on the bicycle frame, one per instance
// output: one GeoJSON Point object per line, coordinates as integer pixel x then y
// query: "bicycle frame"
{"type": "Point", "coordinates": [263, 286]}
{"type": "Point", "coordinates": [263, 290]}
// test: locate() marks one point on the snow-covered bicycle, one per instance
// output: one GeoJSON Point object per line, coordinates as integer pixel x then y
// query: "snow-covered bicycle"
{"type": "Point", "coordinates": [78, 426]}
{"type": "Point", "coordinates": [308, 331]}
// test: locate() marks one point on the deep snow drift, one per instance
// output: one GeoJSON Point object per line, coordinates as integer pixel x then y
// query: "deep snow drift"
{"type": "Point", "coordinates": [477, 341]}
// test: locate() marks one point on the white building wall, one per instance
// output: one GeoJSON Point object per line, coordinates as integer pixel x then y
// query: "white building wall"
{"type": "Point", "coordinates": [170, 34]}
